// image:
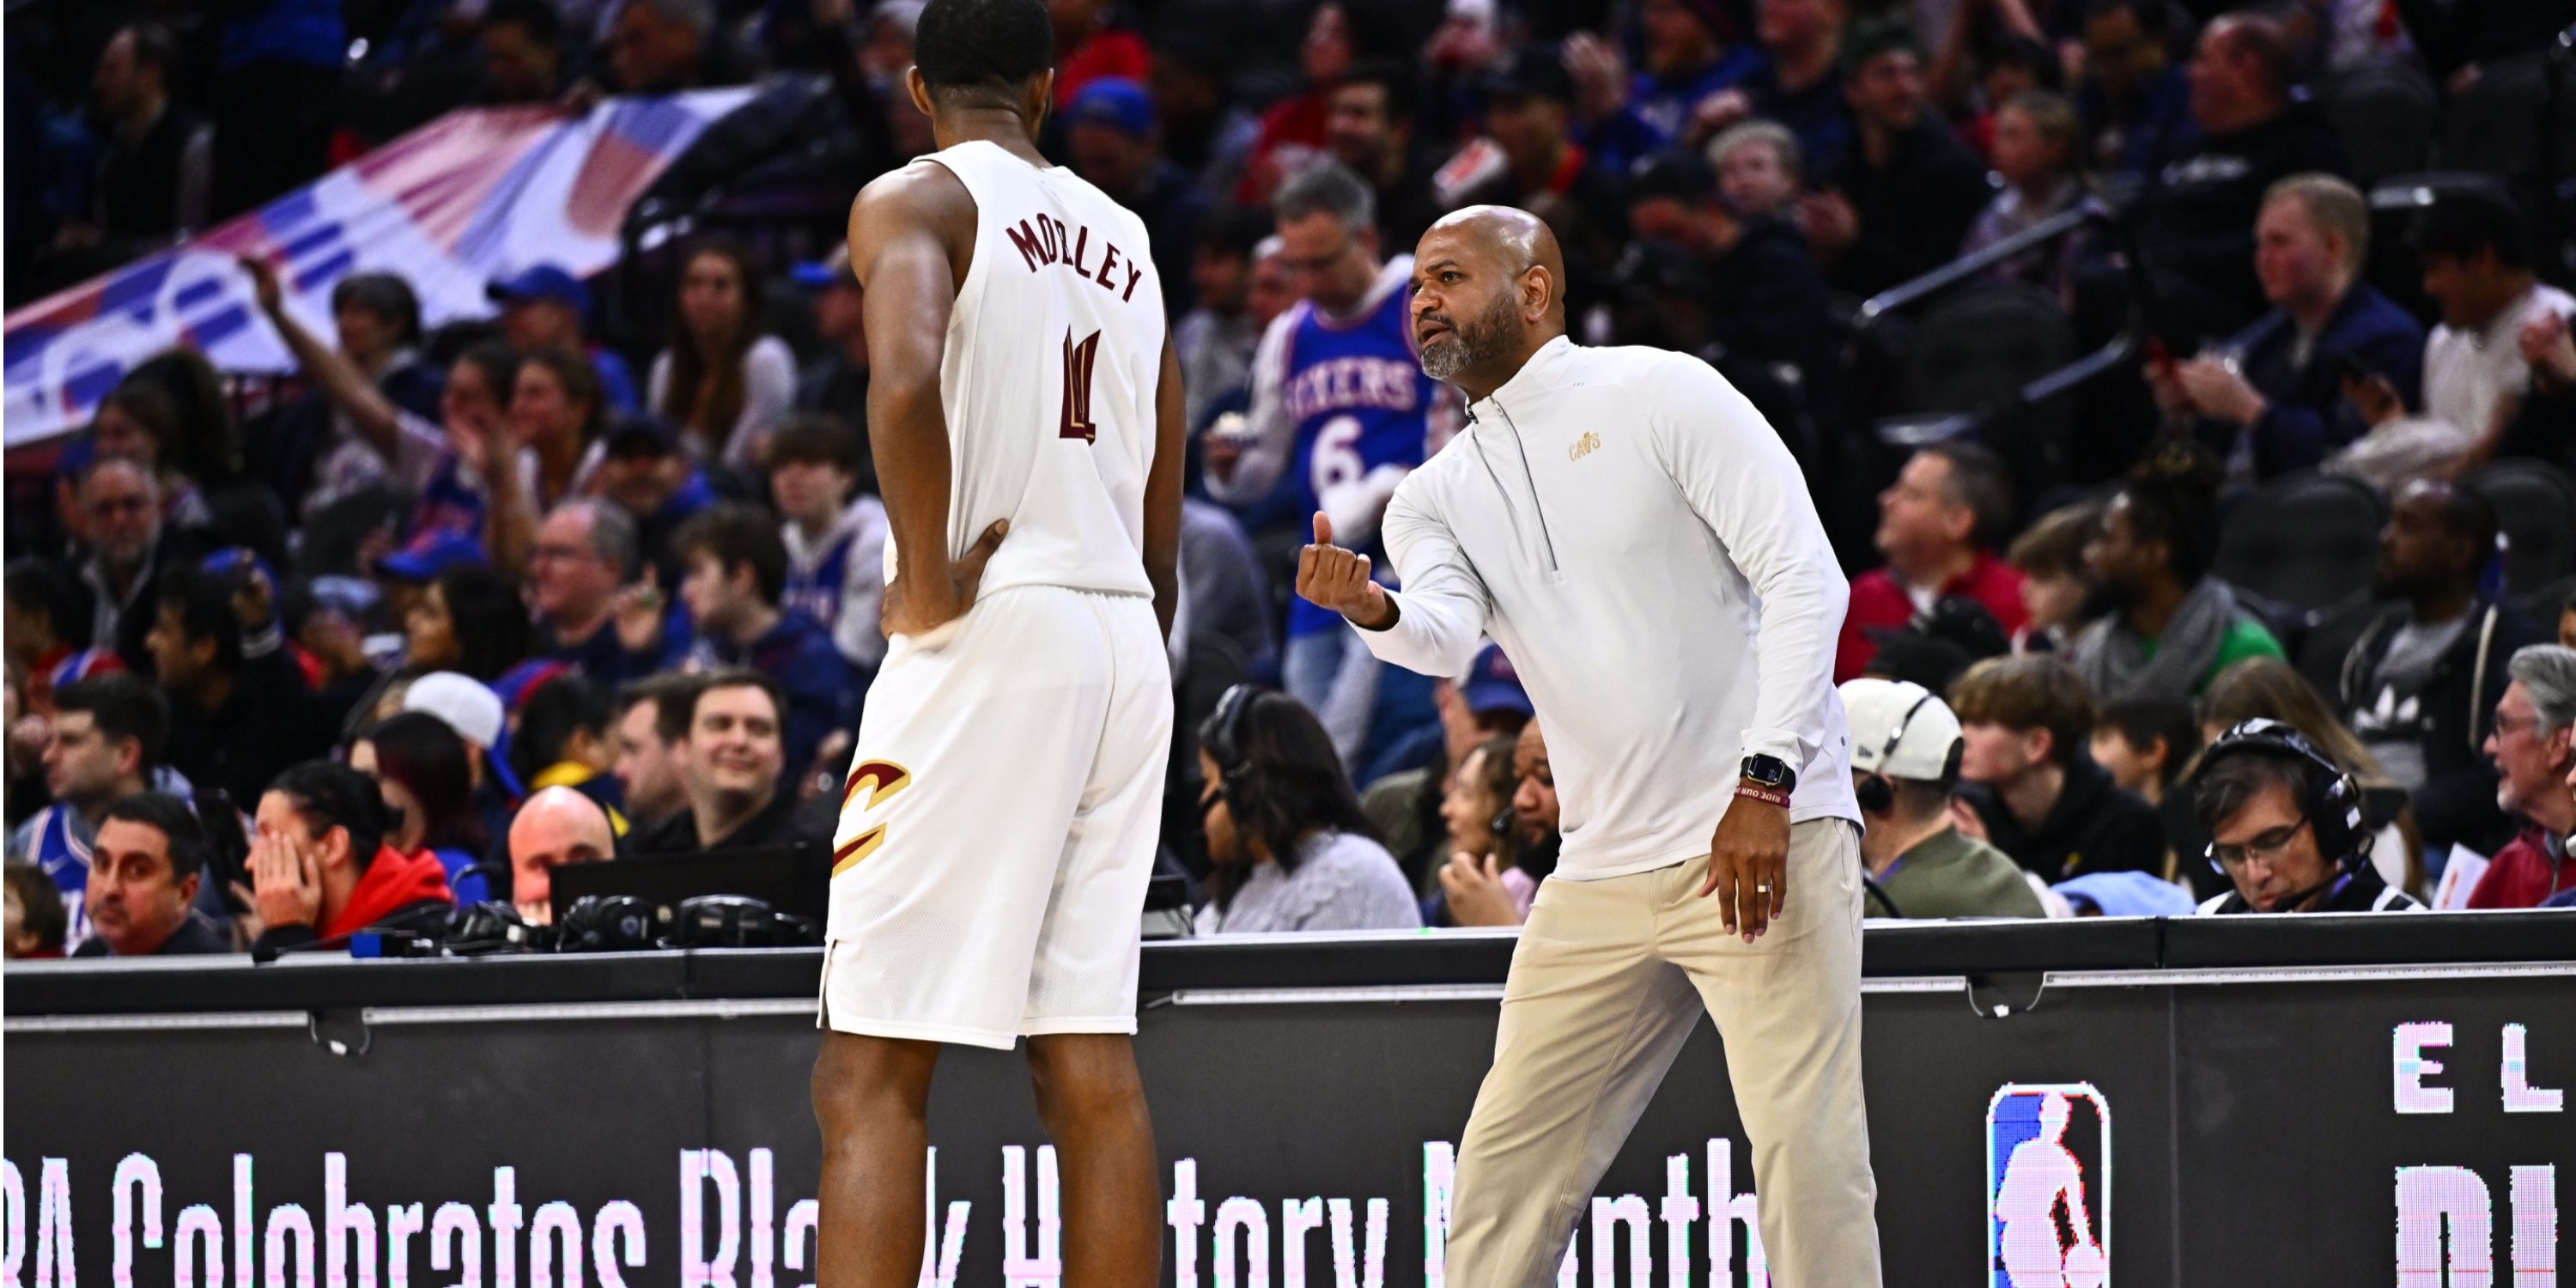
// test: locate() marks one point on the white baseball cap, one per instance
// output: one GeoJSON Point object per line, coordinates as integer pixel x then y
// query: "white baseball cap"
{"type": "Point", "coordinates": [1899, 729]}
{"type": "Point", "coordinates": [464, 703]}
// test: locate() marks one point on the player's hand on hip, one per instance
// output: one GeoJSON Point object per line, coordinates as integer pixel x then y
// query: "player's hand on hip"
{"type": "Point", "coordinates": [1748, 866]}
{"type": "Point", "coordinates": [910, 609]}
{"type": "Point", "coordinates": [1336, 579]}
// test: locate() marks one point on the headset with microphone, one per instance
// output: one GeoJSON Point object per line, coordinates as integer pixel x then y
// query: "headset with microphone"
{"type": "Point", "coordinates": [1222, 735]}
{"type": "Point", "coordinates": [1875, 793]}
{"type": "Point", "coordinates": [2332, 806]}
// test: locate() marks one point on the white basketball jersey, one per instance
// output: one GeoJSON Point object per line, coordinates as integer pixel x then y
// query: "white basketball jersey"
{"type": "Point", "coordinates": [1054, 353]}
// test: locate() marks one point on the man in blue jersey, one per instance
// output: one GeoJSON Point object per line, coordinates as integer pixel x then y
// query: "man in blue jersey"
{"type": "Point", "coordinates": [1339, 401]}
{"type": "Point", "coordinates": [107, 738]}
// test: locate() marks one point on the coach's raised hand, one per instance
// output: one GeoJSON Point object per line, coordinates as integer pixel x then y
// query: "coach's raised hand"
{"type": "Point", "coordinates": [1331, 577]}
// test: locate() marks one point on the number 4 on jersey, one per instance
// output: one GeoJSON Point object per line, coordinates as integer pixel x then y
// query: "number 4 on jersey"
{"type": "Point", "coordinates": [1078, 358]}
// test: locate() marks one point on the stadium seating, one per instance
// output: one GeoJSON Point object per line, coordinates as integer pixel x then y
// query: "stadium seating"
{"type": "Point", "coordinates": [2309, 540]}
{"type": "Point", "coordinates": [2386, 117]}
{"type": "Point", "coordinates": [2535, 505]}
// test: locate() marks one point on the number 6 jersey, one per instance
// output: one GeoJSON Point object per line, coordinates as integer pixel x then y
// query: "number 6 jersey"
{"type": "Point", "coordinates": [1351, 390]}
{"type": "Point", "coordinates": [1053, 355]}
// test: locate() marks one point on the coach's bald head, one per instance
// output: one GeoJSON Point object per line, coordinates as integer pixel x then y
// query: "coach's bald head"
{"type": "Point", "coordinates": [1489, 287]}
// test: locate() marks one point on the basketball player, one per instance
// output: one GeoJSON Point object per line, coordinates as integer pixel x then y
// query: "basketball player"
{"type": "Point", "coordinates": [999, 818]}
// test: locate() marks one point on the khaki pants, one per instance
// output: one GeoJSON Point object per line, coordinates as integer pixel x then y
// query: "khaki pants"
{"type": "Point", "coordinates": [1609, 978]}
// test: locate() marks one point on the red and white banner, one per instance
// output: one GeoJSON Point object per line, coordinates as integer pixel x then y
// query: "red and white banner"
{"type": "Point", "coordinates": [474, 196]}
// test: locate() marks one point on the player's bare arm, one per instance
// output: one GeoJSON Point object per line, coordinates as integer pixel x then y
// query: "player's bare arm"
{"type": "Point", "coordinates": [912, 238]}
{"type": "Point", "coordinates": [1163, 489]}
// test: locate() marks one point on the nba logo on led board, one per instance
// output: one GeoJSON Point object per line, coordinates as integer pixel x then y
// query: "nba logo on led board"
{"type": "Point", "coordinates": [2048, 1187]}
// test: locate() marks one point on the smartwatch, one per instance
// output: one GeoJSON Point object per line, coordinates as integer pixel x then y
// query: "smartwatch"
{"type": "Point", "coordinates": [1771, 772]}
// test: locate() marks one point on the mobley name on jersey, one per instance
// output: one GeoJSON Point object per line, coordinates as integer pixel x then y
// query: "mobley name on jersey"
{"type": "Point", "coordinates": [1045, 244]}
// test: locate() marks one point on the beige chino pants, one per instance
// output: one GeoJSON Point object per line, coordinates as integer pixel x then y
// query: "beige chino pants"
{"type": "Point", "coordinates": [1609, 979]}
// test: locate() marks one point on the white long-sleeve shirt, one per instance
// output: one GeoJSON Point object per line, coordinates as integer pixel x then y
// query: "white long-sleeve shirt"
{"type": "Point", "coordinates": [1642, 546]}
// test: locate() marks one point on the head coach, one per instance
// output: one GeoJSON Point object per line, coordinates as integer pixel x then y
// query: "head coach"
{"type": "Point", "coordinates": [1643, 547]}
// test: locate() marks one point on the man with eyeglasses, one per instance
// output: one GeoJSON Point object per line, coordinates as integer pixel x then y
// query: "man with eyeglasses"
{"type": "Point", "coordinates": [120, 500]}
{"type": "Point", "coordinates": [2285, 829]}
{"type": "Point", "coordinates": [1339, 401]}
{"type": "Point", "coordinates": [589, 614]}
{"type": "Point", "coordinates": [2534, 748]}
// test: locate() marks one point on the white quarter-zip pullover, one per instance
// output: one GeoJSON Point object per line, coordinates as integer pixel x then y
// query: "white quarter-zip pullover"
{"type": "Point", "coordinates": [1642, 545]}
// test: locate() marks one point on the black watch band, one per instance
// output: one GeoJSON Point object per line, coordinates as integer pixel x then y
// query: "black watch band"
{"type": "Point", "coordinates": [1771, 771]}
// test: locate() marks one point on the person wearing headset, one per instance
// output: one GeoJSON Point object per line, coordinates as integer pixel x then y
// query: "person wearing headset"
{"type": "Point", "coordinates": [2286, 827]}
{"type": "Point", "coordinates": [1502, 818]}
{"type": "Point", "coordinates": [1905, 753]}
{"type": "Point", "coordinates": [1289, 846]}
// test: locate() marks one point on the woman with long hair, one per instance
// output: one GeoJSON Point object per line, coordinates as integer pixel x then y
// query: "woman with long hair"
{"type": "Point", "coordinates": [724, 379]}
{"type": "Point", "coordinates": [470, 620]}
{"type": "Point", "coordinates": [555, 414]}
{"type": "Point", "coordinates": [1291, 848]}
{"type": "Point", "coordinates": [1485, 882]}
{"type": "Point", "coordinates": [426, 776]}
{"type": "Point", "coordinates": [2268, 688]}
{"type": "Point", "coordinates": [542, 449]}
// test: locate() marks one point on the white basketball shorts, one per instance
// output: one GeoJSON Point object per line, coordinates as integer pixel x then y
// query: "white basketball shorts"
{"type": "Point", "coordinates": [998, 824]}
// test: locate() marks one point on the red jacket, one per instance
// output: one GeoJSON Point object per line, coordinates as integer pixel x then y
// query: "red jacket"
{"type": "Point", "coordinates": [2527, 870]}
{"type": "Point", "coordinates": [1879, 602]}
{"type": "Point", "coordinates": [393, 882]}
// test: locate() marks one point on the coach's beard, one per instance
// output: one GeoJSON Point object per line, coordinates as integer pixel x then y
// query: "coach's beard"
{"type": "Point", "coordinates": [1485, 338]}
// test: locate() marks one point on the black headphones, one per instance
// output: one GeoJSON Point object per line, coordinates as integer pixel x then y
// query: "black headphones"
{"type": "Point", "coordinates": [2333, 808]}
{"type": "Point", "coordinates": [1874, 793]}
{"type": "Point", "coordinates": [735, 921]}
{"type": "Point", "coordinates": [1224, 741]}
{"type": "Point", "coordinates": [609, 923]}
{"type": "Point", "coordinates": [493, 927]}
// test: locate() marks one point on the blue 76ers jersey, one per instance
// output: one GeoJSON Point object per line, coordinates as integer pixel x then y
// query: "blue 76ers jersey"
{"type": "Point", "coordinates": [1360, 402]}
{"type": "Point", "coordinates": [57, 846]}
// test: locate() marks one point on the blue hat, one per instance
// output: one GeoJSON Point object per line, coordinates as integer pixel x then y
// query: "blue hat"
{"type": "Point", "coordinates": [542, 282]}
{"type": "Point", "coordinates": [353, 596]}
{"type": "Point", "coordinates": [1492, 684]}
{"type": "Point", "coordinates": [1115, 101]}
{"type": "Point", "coordinates": [521, 682]}
{"type": "Point", "coordinates": [432, 552]}
{"type": "Point", "coordinates": [233, 560]}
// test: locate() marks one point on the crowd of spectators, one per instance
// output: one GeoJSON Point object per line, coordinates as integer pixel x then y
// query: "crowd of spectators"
{"type": "Point", "coordinates": [461, 604]}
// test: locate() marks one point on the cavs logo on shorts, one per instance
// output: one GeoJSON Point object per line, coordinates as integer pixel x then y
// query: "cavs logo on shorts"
{"type": "Point", "coordinates": [877, 781]}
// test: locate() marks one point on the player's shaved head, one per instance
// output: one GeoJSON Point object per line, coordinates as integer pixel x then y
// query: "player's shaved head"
{"type": "Point", "coordinates": [1489, 290]}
